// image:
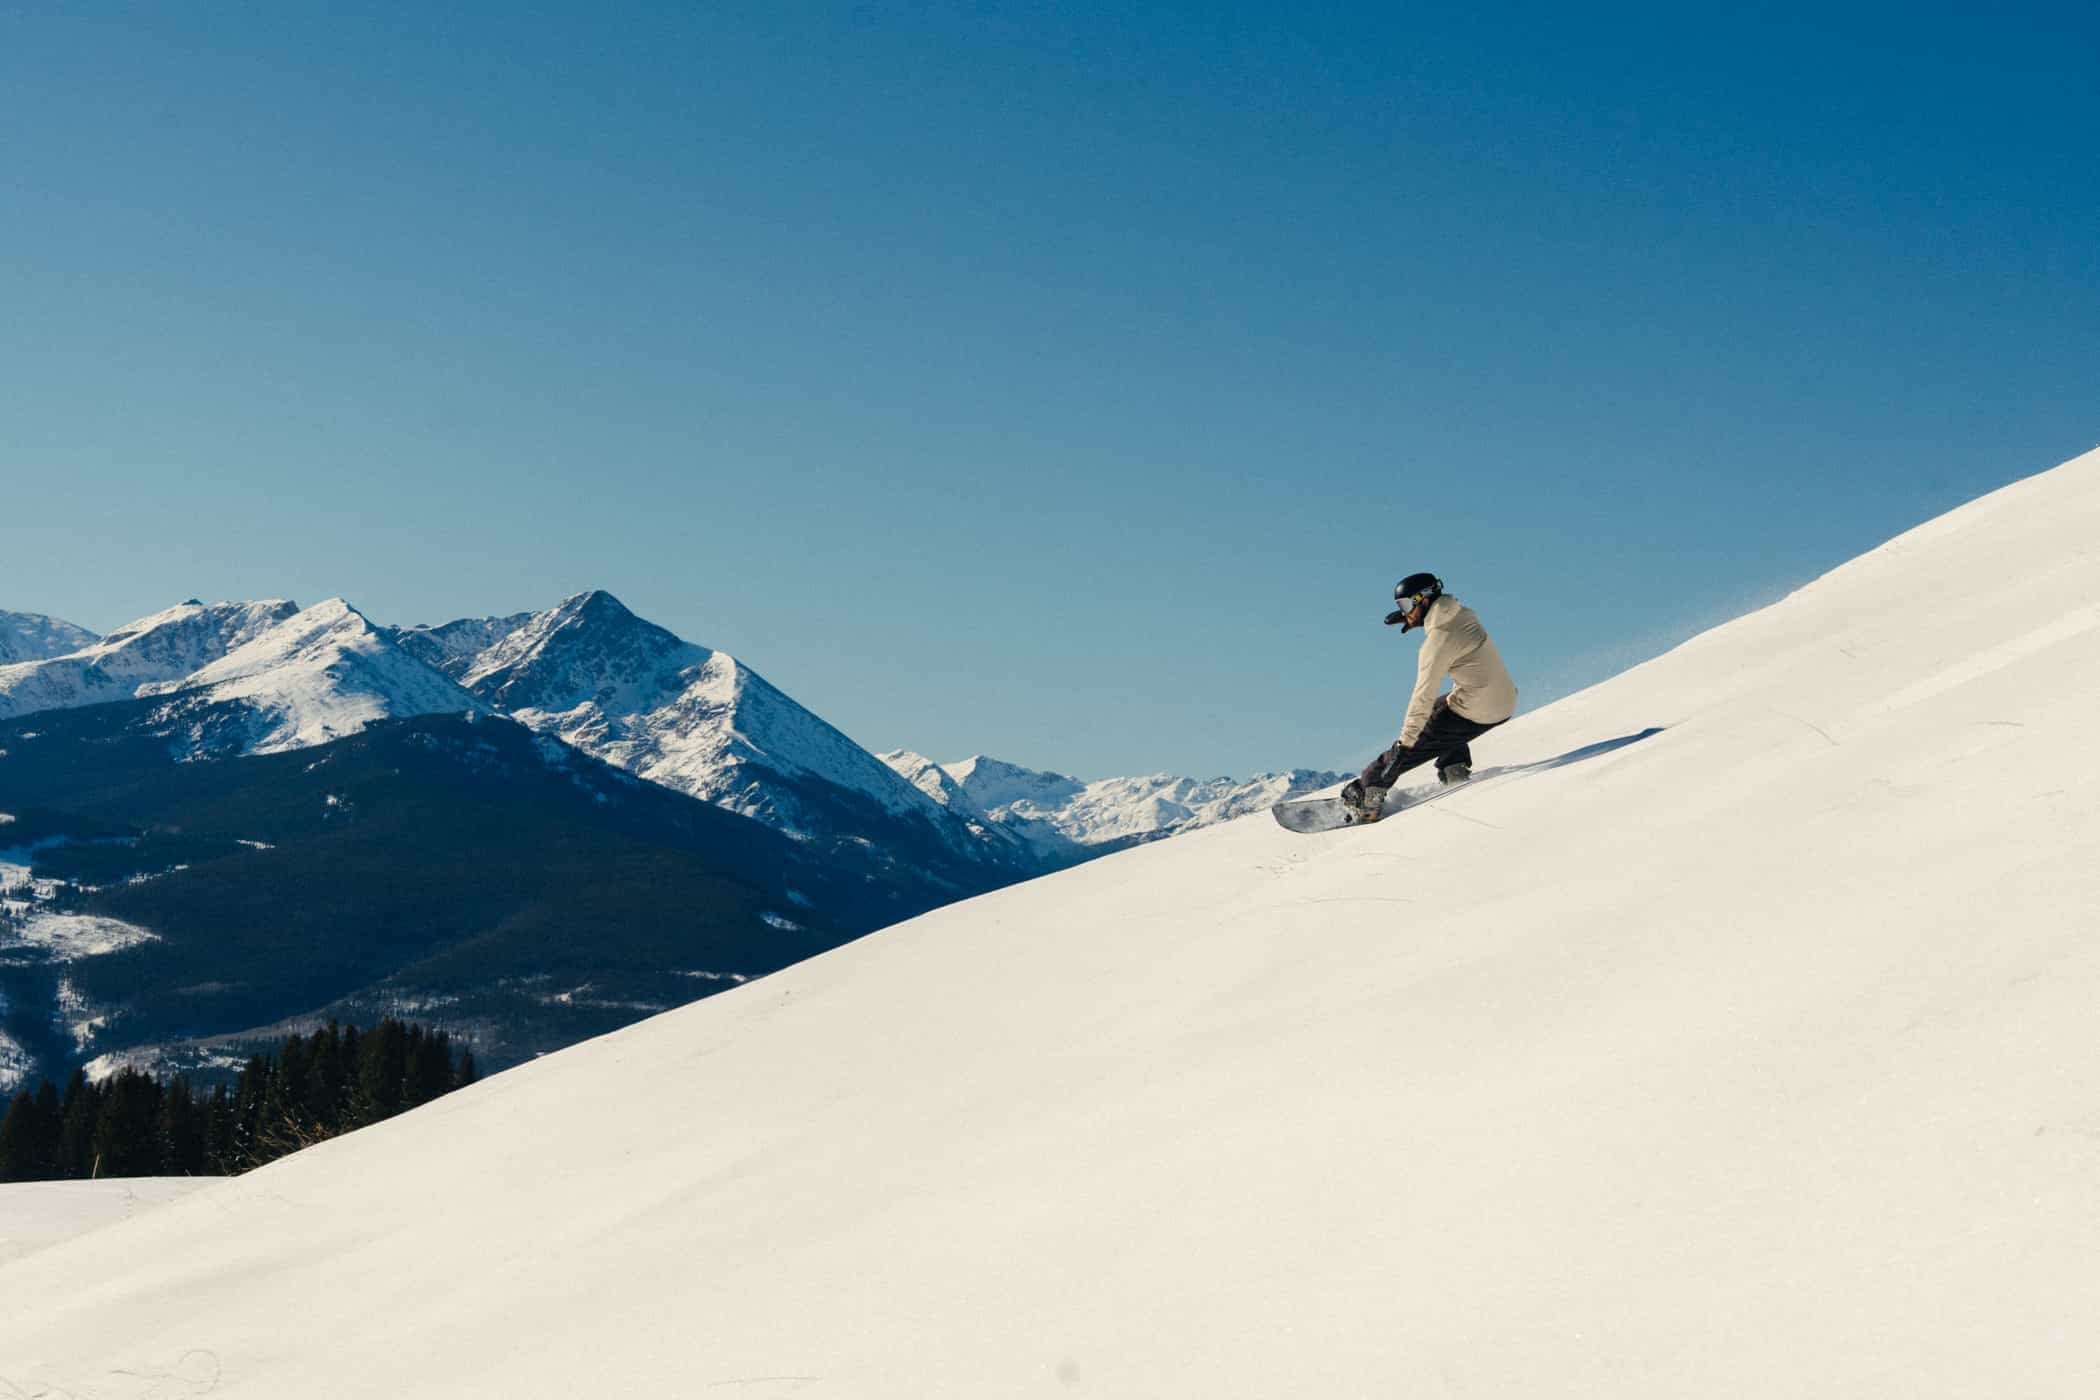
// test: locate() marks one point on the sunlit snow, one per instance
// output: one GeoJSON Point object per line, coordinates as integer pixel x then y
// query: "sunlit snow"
{"type": "Point", "coordinates": [69, 936]}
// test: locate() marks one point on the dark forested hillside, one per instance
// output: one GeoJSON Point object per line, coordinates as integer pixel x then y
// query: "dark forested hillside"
{"type": "Point", "coordinates": [490, 880]}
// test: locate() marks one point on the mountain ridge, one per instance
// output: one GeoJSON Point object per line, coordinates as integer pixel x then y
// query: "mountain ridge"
{"type": "Point", "coordinates": [246, 678]}
{"type": "Point", "coordinates": [1063, 816]}
{"type": "Point", "coordinates": [26, 636]}
{"type": "Point", "coordinates": [164, 646]}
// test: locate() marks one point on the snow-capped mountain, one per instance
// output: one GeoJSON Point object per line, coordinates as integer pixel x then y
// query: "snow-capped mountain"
{"type": "Point", "coordinates": [454, 646]}
{"type": "Point", "coordinates": [1729, 1035]}
{"type": "Point", "coordinates": [694, 719]}
{"type": "Point", "coordinates": [167, 646]}
{"type": "Point", "coordinates": [1058, 815]}
{"type": "Point", "coordinates": [318, 675]}
{"type": "Point", "coordinates": [260, 677]}
{"type": "Point", "coordinates": [35, 637]}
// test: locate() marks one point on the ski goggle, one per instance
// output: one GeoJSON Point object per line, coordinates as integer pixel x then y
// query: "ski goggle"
{"type": "Point", "coordinates": [1408, 603]}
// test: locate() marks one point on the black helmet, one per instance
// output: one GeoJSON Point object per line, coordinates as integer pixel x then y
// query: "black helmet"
{"type": "Point", "coordinates": [1410, 593]}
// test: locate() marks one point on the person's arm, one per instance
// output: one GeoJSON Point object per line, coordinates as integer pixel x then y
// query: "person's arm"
{"type": "Point", "coordinates": [1438, 650]}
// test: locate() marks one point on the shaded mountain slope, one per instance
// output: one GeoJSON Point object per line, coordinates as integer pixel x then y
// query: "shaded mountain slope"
{"type": "Point", "coordinates": [468, 867]}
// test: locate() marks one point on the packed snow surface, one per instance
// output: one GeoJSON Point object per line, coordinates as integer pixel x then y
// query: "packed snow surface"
{"type": "Point", "coordinates": [1731, 1035]}
{"type": "Point", "coordinates": [35, 1215]}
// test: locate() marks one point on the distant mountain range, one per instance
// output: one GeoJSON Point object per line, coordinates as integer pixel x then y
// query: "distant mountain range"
{"type": "Point", "coordinates": [262, 677]}
{"type": "Point", "coordinates": [1064, 818]}
{"type": "Point", "coordinates": [160, 904]}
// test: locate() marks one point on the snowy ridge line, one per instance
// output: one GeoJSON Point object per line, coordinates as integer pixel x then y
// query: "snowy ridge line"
{"type": "Point", "coordinates": [167, 646]}
{"type": "Point", "coordinates": [35, 637]}
{"type": "Point", "coordinates": [321, 674]}
{"type": "Point", "coordinates": [685, 716]}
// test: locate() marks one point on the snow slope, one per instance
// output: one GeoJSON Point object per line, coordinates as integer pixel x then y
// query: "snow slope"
{"type": "Point", "coordinates": [318, 675]}
{"type": "Point", "coordinates": [35, 637]}
{"type": "Point", "coordinates": [167, 646]}
{"type": "Point", "coordinates": [35, 1215]}
{"type": "Point", "coordinates": [1753, 1057]}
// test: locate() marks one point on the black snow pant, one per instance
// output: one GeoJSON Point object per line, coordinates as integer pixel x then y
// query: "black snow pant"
{"type": "Point", "coordinates": [1445, 738]}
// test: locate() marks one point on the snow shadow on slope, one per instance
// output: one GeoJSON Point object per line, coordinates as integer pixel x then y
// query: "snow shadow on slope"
{"type": "Point", "coordinates": [1572, 756]}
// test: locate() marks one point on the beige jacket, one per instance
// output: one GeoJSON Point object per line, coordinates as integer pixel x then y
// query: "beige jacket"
{"type": "Point", "coordinates": [1455, 644]}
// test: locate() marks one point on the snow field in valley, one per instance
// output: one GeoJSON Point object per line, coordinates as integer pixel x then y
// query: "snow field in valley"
{"type": "Point", "coordinates": [1748, 1058]}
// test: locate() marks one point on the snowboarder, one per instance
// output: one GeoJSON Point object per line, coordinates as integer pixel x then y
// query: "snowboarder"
{"type": "Point", "coordinates": [1437, 727]}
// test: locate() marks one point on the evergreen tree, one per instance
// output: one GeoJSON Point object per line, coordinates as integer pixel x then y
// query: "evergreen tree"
{"type": "Point", "coordinates": [429, 1065]}
{"type": "Point", "coordinates": [320, 1085]}
{"type": "Point", "coordinates": [383, 1070]}
{"type": "Point", "coordinates": [76, 1144]}
{"type": "Point", "coordinates": [50, 1123]}
{"type": "Point", "coordinates": [181, 1131]}
{"type": "Point", "coordinates": [219, 1132]}
{"type": "Point", "coordinates": [247, 1116]}
{"type": "Point", "coordinates": [325, 1078]}
{"type": "Point", "coordinates": [286, 1100]}
{"type": "Point", "coordinates": [19, 1145]}
{"type": "Point", "coordinates": [126, 1139]}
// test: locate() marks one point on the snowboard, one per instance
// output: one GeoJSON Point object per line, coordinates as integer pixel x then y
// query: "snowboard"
{"type": "Point", "coordinates": [1309, 814]}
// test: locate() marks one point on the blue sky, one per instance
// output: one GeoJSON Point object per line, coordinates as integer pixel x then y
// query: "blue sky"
{"type": "Point", "coordinates": [1068, 383]}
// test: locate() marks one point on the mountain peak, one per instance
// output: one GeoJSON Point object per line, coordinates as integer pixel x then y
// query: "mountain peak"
{"type": "Point", "coordinates": [152, 651]}
{"type": "Point", "coordinates": [241, 618]}
{"type": "Point", "coordinates": [694, 719]}
{"type": "Point", "coordinates": [36, 637]}
{"type": "Point", "coordinates": [320, 674]}
{"type": "Point", "coordinates": [587, 648]}
{"type": "Point", "coordinates": [595, 604]}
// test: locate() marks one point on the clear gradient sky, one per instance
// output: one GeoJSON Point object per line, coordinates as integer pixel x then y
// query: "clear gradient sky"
{"type": "Point", "coordinates": [1065, 382]}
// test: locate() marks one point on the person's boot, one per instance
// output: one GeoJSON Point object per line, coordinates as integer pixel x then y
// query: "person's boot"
{"type": "Point", "coordinates": [1454, 775]}
{"type": "Point", "coordinates": [1363, 804]}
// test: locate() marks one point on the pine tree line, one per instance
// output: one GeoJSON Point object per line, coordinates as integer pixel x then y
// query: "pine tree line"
{"type": "Point", "coordinates": [314, 1088]}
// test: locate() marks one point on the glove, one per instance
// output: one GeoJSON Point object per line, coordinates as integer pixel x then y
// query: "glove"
{"type": "Point", "coordinates": [1394, 618]}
